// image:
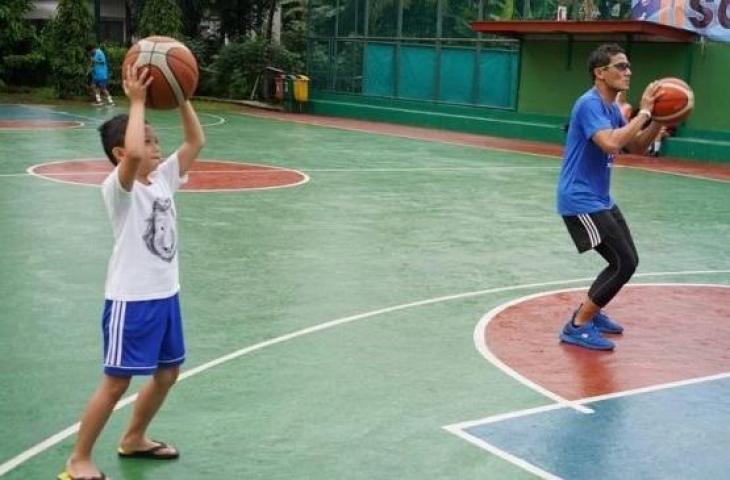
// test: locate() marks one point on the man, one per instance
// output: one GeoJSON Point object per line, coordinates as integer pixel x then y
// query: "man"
{"type": "Point", "coordinates": [597, 131]}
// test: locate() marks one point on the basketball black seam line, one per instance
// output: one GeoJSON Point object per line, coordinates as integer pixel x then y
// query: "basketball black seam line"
{"type": "Point", "coordinates": [183, 62]}
{"type": "Point", "coordinates": [192, 68]}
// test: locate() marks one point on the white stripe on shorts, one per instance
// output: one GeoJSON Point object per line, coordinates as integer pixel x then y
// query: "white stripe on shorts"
{"type": "Point", "coordinates": [110, 334]}
{"type": "Point", "coordinates": [115, 334]}
{"type": "Point", "coordinates": [591, 228]}
{"type": "Point", "coordinates": [120, 333]}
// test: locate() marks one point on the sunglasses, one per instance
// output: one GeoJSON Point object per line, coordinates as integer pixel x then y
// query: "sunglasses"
{"type": "Point", "coordinates": [620, 66]}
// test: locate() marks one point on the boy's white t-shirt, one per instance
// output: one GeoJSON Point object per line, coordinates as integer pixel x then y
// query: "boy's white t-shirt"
{"type": "Point", "coordinates": [143, 265]}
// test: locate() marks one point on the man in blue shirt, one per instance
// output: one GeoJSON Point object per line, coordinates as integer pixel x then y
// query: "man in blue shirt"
{"type": "Point", "coordinates": [597, 131]}
{"type": "Point", "coordinates": [99, 75]}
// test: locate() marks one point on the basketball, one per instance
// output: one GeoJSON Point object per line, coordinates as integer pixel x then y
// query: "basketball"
{"type": "Point", "coordinates": [172, 66]}
{"type": "Point", "coordinates": [674, 102]}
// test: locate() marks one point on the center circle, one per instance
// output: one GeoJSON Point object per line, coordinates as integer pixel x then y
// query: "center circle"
{"type": "Point", "coordinates": [204, 176]}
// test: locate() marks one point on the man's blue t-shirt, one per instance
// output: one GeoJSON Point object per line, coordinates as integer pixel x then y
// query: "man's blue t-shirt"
{"type": "Point", "coordinates": [585, 176]}
{"type": "Point", "coordinates": [100, 72]}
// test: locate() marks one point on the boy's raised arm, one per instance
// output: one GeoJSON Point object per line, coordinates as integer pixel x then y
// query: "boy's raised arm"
{"type": "Point", "coordinates": [194, 138]}
{"type": "Point", "coordinates": [135, 87]}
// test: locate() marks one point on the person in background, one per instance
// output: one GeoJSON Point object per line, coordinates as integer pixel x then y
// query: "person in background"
{"type": "Point", "coordinates": [624, 106]}
{"type": "Point", "coordinates": [99, 76]}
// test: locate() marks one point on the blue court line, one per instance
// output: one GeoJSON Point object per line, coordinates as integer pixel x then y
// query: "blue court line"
{"type": "Point", "coordinates": [678, 433]}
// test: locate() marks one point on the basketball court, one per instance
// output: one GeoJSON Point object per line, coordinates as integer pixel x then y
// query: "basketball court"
{"type": "Point", "coordinates": [368, 301]}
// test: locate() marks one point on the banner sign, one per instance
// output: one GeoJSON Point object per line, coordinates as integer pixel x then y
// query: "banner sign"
{"type": "Point", "coordinates": [710, 18]}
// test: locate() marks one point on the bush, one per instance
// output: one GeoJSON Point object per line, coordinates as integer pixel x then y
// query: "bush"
{"type": "Point", "coordinates": [207, 83]}
{"type": "Point", "coordinates": [238, 65]}
{"type": "Point", "coordinates": [114, 58]}
{"type": "Point", "coordinates": [204, 49]}
{"type": "Point", "coordinates": [29, 70]}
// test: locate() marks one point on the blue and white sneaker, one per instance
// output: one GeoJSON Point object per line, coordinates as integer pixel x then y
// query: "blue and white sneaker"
{"type": "Point", "coordinates": [605, 325]}
{"type": "Point", "coordinates": [586, 336]}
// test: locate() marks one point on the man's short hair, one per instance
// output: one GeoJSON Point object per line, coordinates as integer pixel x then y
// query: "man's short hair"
{"type": "Point", "coordinates": [112, 133]}
{"type": "Point", "coordinates": [601, 56]}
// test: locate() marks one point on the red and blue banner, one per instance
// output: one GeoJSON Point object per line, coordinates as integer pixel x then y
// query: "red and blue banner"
{"type": "Point", "coordinates": [707, 17]}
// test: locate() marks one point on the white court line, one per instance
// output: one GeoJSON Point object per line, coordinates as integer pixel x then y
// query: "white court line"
{"type": "Point", "coordinates": [505, 416]}
{"type": "Point", "coordinates": [656, 388]}
{"type": "Point", "coordinates": [305, 178]}
{"type": "Point", "coordinates": [194, 172]}
{"type": "Point", "coordinates": [481, 346]}
{"type": "Point", "coordinates": [276, 168]}
{"type": "Point", "coordinates": [599, 398]}
{"type": "Point", "coordinates": [219, 120]}
{"type": "Point", "coordinates": [513, 459]}
{"type": "Point", "coordinates": [676, 174]}
{"type": "Point", "coordinates": [59, 437]}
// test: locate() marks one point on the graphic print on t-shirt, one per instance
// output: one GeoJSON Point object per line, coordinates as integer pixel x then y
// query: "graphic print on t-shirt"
{"type": "Point", "coordinates": [160, 236]}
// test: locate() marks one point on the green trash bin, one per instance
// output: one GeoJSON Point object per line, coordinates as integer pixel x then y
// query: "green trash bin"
{"type": "Point", "coordinates": [290, 104]}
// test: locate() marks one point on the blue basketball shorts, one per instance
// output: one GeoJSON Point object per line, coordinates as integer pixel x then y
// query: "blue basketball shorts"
{"type": "Point", "coordinates": [142, 336]}
{"type": "Point", "coordinates": [100, 83]}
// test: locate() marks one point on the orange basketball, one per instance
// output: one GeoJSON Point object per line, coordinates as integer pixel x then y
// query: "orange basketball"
{"type": "Point", "coordinates": [173, 68]}
{"type": "Point", "coordinates": [675, 101]}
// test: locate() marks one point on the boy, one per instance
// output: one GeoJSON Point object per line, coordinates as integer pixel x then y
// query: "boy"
{"type": "Point", "coordinates": [99, 76]}
{"type": "Point", "coordinates": [596, 133]}
{"type": "Point", "coordinates": [141, 320]}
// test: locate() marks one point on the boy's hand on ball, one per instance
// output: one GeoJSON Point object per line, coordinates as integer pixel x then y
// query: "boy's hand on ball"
{"type": "Point", "coordinates": [135, 83]}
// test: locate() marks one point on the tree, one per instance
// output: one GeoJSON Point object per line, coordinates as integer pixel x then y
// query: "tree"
{"type": "Point", "coordinates": [16, 33]}
{"type": "Point", "coordinates": [294, 25]}
{"type": "Point", "coordinates": [131, 12]}
{"type": "Point", "coordinates": [192, 14]}
{"type": "Point", "coordinates": [160, 17]}
{"type": "Point", "coordinates": [66, 38]}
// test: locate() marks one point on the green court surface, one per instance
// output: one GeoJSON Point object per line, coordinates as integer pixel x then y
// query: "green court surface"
{"type": "Point", "coordinates": [338, 313]}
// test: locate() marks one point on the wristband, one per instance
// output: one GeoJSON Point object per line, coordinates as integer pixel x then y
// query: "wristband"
{"type": "Point", "coordinates": [646, 112]}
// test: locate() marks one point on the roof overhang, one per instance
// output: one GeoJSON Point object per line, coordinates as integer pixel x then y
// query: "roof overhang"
{"type": "Point", "coordinates": [588, 30]}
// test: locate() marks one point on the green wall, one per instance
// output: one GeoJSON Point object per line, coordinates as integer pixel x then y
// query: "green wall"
{"type": "Point", "coordinates": [554, 73]}
{"type": "Point", "coordinates": [710, 75]}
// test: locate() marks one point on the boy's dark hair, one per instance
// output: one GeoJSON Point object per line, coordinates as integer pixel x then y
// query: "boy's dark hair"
{"type": "Point", "coordinates": [89, 47]}
{"type": "Point", "coordinates": [112, 134]}
{"type": "Point", "coordinates": [601, 56]}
